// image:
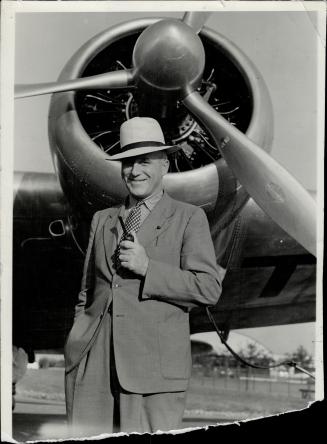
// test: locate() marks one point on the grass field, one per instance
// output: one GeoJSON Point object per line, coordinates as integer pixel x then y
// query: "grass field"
{"type": "Point", "coordinates": [229, 399]}
{"type": "Point", "coordinates": [237, 403]}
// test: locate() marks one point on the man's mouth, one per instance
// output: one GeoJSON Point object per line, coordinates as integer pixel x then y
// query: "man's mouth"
{"type": "Point", "coordinates": [136, 180]}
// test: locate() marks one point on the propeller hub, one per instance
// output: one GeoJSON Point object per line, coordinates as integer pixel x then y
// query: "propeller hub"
{"type": "Point", "coordinates": [169, 56]}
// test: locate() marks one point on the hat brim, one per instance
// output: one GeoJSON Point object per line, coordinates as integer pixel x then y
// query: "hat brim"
{"type": "Point", "coordinates": [134, 152]}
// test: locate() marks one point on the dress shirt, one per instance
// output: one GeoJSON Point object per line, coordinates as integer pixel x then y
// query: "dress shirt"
{"type": "Point", "coordinates": [147, 206]}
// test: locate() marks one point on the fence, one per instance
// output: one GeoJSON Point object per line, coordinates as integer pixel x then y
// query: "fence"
{"type": "Point", "coordinates": [248, 380]}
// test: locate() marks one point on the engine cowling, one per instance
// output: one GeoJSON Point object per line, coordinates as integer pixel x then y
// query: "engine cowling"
{"type": "Point", "coordinates": [84, 127]}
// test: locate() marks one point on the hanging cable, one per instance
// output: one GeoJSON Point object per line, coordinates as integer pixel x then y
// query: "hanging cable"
{"type": "Point", "coordinates": [289, 363]}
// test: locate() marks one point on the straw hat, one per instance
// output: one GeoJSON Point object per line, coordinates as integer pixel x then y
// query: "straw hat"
{"type": "Point", "coordinates": [141, 135]}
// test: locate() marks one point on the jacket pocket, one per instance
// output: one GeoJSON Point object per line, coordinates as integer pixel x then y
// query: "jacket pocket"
{"type": "Point", "coordinates": [167, 253]}
{"type": "Point", "coordinates": [175, 350]}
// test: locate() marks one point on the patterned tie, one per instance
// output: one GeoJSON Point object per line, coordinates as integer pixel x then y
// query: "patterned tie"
{"type": "Point", "coordinates": [133, 219]}
{"type": "Point", "coordinates": [132, 223]}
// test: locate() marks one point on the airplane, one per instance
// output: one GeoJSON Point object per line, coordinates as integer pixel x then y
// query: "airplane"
{"type": "Point", "coordinates": [211, 101]}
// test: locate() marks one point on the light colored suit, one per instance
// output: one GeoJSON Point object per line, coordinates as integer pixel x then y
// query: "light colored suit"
{"type": "Point", "coordinates": [150, 315]}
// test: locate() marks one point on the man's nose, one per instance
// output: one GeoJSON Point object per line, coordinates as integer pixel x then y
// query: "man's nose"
{"type": "Point", "coordinates": [136, 169]}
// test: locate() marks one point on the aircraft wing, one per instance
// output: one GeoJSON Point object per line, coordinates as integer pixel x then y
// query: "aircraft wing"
{"type": "Point", "coordinates": [270, 279]}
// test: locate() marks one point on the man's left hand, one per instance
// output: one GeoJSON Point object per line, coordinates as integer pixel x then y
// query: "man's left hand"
{"type": "Point", "coordinates": [133, 256]}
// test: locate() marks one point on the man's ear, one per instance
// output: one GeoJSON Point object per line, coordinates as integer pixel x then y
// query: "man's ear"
{"type": "Point", "coordinates": [165, 166]}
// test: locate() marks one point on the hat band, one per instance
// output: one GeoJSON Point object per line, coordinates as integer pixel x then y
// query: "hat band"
{"type": "Point", "coordinates": [131, 146]}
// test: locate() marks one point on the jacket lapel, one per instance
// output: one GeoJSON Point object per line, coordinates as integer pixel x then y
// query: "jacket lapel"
{"type": "Point", "coordinates": [110, 236]}
{"type": "Point", "coordinates": [153, 226]}
{"type": "Point", "coordinates": [157, 221]}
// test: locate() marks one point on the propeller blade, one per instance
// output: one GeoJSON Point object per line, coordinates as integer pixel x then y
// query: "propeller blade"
{"type": "Point", "coordinates": [274, 189]}
{"type": "Point", "coordinates": [114, 79]}
{"type": "Point", "coordinates": [196, 19]}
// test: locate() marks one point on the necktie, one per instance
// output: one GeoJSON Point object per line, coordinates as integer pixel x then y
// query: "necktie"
{"type": "Point", "coordinates": [133, 220]}
{"type": "Point", "coordinates": [132, 223]}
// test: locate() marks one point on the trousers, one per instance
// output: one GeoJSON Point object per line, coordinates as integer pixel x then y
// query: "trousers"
{"type": "Point", "coordinates": [101, 405]}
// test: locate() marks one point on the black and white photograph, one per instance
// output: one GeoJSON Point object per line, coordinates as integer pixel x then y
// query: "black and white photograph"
{"type": "Point", "coordinates": [161, 215]}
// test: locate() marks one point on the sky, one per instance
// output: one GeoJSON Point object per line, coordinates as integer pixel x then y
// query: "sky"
{"type": "Point", "coordinates": [282, 45]}
{"type": "Point", "coordinates": [239, 340]}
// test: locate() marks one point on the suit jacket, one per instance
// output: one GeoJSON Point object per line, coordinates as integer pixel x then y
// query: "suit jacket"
{"type": "Point", "coordinates": [150, 314]}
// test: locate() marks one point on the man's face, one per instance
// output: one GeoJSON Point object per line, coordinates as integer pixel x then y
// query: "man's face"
{"type": "Point", "coordinates": [143, 174]}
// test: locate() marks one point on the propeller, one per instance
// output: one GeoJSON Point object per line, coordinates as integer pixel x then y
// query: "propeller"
{"type": "Point", "coordinates": [169, 57]}
{"type": "Point", "coordinates": [273, 188]}
{"type": "Point", "coordinates": [179, 70]}
{"type": "Point", "coordinates": [196, 19]}
{"type": "Point", "coordinates": [109, 80]}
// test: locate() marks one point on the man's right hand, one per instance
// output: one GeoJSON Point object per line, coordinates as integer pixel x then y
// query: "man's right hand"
{"type": "Point", "coordinates": [133, 256]}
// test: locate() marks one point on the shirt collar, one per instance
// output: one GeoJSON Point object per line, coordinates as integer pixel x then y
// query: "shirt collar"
{"type": "Point", "coordinates": [150, 202]}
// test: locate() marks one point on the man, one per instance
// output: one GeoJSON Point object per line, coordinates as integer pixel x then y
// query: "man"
{"type": "Point", "coordinates": [148, 263]}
